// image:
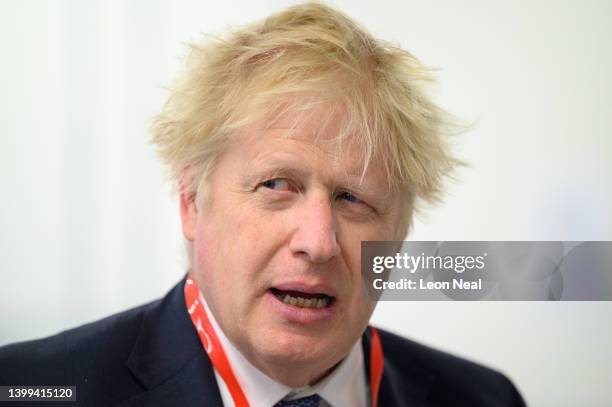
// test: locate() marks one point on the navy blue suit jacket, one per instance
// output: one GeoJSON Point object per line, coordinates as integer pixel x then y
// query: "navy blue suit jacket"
{"type": "Point", "coordinates": [152, 356]}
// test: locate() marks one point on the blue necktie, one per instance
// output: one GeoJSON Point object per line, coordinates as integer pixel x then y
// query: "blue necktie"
{"type": "Point", "coordinates": [310, 401]}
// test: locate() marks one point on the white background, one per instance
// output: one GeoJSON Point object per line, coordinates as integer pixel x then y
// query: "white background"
{"type": "Point", "coordinates": [88, 227]}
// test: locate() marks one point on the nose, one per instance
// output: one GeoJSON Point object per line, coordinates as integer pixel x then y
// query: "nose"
{"type": "Point", "coordinates": [315, 234]}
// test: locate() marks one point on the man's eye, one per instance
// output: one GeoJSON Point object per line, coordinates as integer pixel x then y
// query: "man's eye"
{"type": "Point", "coordinates": [279, 184]}
{"type": "Point", "coordinates": [349, 197]}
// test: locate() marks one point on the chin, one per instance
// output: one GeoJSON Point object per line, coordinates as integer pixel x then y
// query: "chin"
{"type": "Point", "coordinates": [296, 348]}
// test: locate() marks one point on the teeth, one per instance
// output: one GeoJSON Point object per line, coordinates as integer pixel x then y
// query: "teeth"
{"type": "Point", "coordinates": [304, 302]}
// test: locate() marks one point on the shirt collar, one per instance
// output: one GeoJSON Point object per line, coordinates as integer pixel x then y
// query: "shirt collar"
{"type": "Point", "coordinates": [345, 386]}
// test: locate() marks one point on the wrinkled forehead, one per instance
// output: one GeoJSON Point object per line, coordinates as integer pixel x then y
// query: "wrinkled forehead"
{"type": "Point", "coordinates": [324, 127]}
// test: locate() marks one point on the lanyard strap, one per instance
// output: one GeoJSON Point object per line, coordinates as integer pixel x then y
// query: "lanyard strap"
{"type": "Point", "coordinates": [376, 365]}
{"type": "Point", "coordinates": [218, 358]}
{"type": "Point", "coordinates": [211, 342]}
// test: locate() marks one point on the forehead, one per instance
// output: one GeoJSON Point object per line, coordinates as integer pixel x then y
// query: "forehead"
{"type": "Point", "coordinates": [313, 139]}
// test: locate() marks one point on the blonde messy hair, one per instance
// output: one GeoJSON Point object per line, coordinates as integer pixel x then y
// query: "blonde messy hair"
{"type": "Point", "coordinates": [307, 57]}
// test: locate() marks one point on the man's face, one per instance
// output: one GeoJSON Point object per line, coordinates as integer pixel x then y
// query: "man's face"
{"type": "Point", "coordinates": [276, 246]}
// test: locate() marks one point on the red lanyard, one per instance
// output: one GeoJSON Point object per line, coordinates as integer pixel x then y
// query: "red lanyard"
{"type": "Point", "coordinates": [217, 356]}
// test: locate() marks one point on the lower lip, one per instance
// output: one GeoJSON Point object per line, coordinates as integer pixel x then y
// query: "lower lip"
{"type": "Point", "coordinates": [292, 313]}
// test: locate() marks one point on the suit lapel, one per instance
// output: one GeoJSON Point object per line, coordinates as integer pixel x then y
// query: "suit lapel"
{"type": "Point", "coordinates": [409, 387]}
{"type": "Point", "coordinates": [168, 359]}
{"type": "Point", "coordinates": [192, 386]}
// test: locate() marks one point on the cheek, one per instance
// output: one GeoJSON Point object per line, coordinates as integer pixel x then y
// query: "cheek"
{"type": "Point", "coordinates": [233, 251]}
{"type": "Point", "coordinates": [213, 259]}
{"type": "Point", "coordinates": [350, 237]}
{"type": "Point", "coordinates": [358, 317]}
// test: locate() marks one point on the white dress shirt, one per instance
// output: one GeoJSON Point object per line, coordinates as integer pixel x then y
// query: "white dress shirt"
{"type": "Point", "coordinates": [345, 386]}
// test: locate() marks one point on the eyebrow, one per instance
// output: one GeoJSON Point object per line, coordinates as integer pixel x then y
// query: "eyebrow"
{"type": "Point", "coordinates": [352, 180]}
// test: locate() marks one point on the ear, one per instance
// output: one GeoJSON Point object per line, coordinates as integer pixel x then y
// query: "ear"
{"type": "Point", "coordinates": [189, 212]}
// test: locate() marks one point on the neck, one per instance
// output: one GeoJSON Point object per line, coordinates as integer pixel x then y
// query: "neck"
{"type": "Point", "coordinates": [295, 375]}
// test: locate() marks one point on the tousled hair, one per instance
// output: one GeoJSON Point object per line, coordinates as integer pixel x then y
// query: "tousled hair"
{"type": "Point", "coordinates": [306, 58]}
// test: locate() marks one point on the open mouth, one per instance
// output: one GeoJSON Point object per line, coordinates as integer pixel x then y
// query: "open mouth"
{"type": "Point", "coordinates": [303, 300]}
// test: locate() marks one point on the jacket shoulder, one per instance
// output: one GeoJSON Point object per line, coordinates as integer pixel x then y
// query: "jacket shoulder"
{"type": "Point", "coordinates": [91, 353]}
{"type": "Point", "coordinates": [452, 380]}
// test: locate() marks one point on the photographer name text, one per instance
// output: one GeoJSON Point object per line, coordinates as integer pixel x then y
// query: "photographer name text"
{"type": "Point", "coordinates": [422, 284]}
